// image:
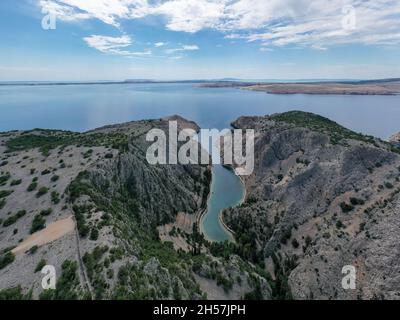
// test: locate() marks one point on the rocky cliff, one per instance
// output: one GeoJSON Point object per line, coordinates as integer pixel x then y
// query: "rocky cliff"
{"type": "Point", "coordinates": [321, 197]}
{"type": "Point", "coordinates": [91, 206]}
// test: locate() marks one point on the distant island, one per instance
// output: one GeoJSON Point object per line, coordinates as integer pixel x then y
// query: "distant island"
{"type": "Point", "coordinates": [336, 87]}
{"type": "Point", "coordinates": [364, 87]}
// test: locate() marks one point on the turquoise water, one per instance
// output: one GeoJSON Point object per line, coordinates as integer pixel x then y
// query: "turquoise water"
{"type": "Point", "coordinates": [227, 191]}
{"type": "Point", "coordinates": [84, 107]}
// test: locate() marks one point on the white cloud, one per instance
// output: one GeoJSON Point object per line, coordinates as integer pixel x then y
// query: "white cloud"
{"type": "Point", "coordinates": [191, 47]}
{"type": "Point", "coordinates": [191, 15]}
{"type": "Point", "coordinates": [265, 49]}
{"type": "Point", "coordinates": [317, 24]}
{"type": "Point", "coordinates": [114, 45]}
{"type": "Point", "coordinates": [159, 44]}
{"type": "Point", "coordinates": [108, 11]}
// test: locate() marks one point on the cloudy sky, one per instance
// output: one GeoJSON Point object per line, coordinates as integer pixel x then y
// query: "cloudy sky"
{"type": "Point", "coordinates": [193, 39]}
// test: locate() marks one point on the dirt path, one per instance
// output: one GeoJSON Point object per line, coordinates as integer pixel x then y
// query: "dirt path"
{"type": "Point", "coordinates": [53, 232]}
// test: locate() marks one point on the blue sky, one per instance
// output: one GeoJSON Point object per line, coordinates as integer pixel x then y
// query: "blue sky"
{"type": "Point", "coordinates": [199, 39]}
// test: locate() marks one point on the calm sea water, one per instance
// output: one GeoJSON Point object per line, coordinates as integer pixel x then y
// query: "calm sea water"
{"type": "Point", "coordinates": [84, 107]}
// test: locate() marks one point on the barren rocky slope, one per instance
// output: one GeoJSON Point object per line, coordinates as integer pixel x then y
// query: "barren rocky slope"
{"type": "Point", "coordinates": [90, 205]}
{"type": "Point", "coordinates": [321, 197]}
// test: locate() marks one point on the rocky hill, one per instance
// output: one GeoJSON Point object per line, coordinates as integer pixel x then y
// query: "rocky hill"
{"type": "Point", "coordinates": [91, 205]}
{"type": "Point", "coordinates": [321, 197]}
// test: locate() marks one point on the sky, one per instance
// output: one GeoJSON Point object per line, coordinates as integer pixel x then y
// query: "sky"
{"type": "Point", "coordinates": [81, 40]}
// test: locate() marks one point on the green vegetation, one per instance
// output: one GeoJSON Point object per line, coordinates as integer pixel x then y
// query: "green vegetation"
{"type": "Point", "coordinates": [42, 191]}
{"type": "Point", "coordinates": [67, 287]}
{"type": "Point", "coordinates": [346, 208]}
{"type": "Point", "coordinates": [47, 140]}
{"type": "Point", "coordinates": [94, 234]}
{"type": "Point", "coordinates": [38, 224]}
{"type": "Point", "coordinates": [2, 203]}
{"type": "Point", "coordinates": [16, 182]}
{"type": "Point", "coordinates": [5, 193]}
{"type": "Point", "coordinates": [4, 178]}
{"type": "Point", "coordinates": [283, 266]}
{"type": "Point", "coordinates": [14, 218]}
{"type": "Point", "coordinates": [356, 201]}
{"type": "Point", "coordinates": [47, 212]}
{"type": "Point", "coordinates": [6, 259]}
{"type": "Point", "coordinates": [339, 224]}
{"type": "Point", "coordinates": [33, 250]}
{"type": "Point", "coordinates": [40, 265]}
{"type": "Point", "coordinates": [32, 186]}
{"type": "Point", "coordinates": [13, 294]}
{"type": "Point", "coordinates": [54, 178]}
{"type": "Point", "coordinates": [55, 197]}
{"type": "Point", "coordinates": [321, 124]}
{"type": "Point", "coordinates": [389, 185]}
{"type": "Point", "coordinates": [45, 172]}
{"type": "Point", "coordinates": [79, 211]}
{"type": "Point", "coordinates": [3, 163]}
{"type": "Point", "coordinates": [94, 267]}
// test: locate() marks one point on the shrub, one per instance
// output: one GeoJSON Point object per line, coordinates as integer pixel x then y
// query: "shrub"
{"type": "Point", "coordinates": [38, 223]}
{"type": "Point", "coordinates": [40, 265]}
{"type": "Point", "coordinates": [42, 191]}
{"type": "Point", "coordinates": [55, 178]}
{"type": "Point", "coordinates": [32, 186]}
{"type": "Point", "coordinates": [14, 218]}
{"type": "Point", "coordinates": [5, 193]}
{"type": "Point", "coordinates": [388, 185]}
{"type": "Point", "coordinates": [66, 284]}
{"type": "Point", "coordinates": [10, 221]}
{"type": "Point", "coordinates": [2, 203]}
{"type": "Point", "coordinates": [4, 179]}
{"type": "Point", "coordinates": [356, 201]}
{"type": "Point", "coordinates": [45, 172]}
{"type": "Point", "coordinates": [94, 234]}
{"type": "Point", "coordinates": [16, 182]}
{"type": "Point", "coordinates": [308, 241]}
{"type": "Point", "coordinates": [55, 197]}
{"type": "Point", "coordinates": [339, 224]}
{"type": "Point", "coordinates": [6, 259]}
{"type": "Point", "coordinates": [13, 294]}
{"type": "Point", "coordinates": [109, 156]}
{"type": "Point", "coordinates": [83, 229]}
{"type": "Point", "coordinates": [295, 243]}
{"type": "Point", "coordinates": [346, 207]}
{"type": "Point", "coordinates": [33, 250]}
{"type": "Point", "coordinates": [45, 213]}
